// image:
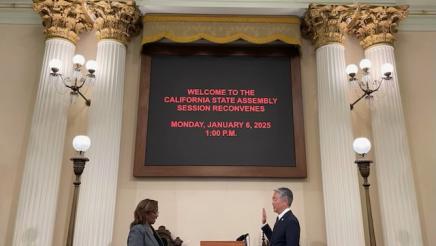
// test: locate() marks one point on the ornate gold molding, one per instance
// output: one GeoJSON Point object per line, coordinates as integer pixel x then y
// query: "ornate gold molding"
{"type": "Point", "coordinates": [63, 18]}
{"type": "Point", "coordinates": [325, 24]}
{"type": "Point", "coordinates": [221, 29]}
{"type": "Point", "coordinates": [377, 24]}
{"type": "Point", "coordinates": [119, 20]}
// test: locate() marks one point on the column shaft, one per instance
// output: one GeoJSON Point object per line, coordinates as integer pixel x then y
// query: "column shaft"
{"type": "Point", "coordinates": [344, 222]}
{"type": "Point", "coordinates": [37, 204]}
{"type": "Point", "coordinates": [96, 208]}
{"type": "Point", "coordinates": [398, 205]}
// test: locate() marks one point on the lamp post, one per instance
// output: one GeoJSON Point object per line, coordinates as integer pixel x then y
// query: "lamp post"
{"type": "Point", "coordinates": [81, 144]}
{"type": "Point", "coordinates": [77, 81]}
{"type": "Point", "coordinates": [362, 146]}
{"type": "Point", "coordinates": [366, 84]}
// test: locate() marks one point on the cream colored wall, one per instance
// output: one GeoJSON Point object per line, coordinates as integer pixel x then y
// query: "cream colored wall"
{"type": "Point", "coordinates": [416, 66]}
{"type": "Point", "coordinates": [217, 209]}
{"type": "Point", "coordinates": [21, 49]}
{"type": "Point", "coordinates": [207, 209]}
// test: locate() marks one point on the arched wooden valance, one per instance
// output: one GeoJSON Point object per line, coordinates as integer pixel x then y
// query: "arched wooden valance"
{"type": "Point", "coordinates": [221, 29]}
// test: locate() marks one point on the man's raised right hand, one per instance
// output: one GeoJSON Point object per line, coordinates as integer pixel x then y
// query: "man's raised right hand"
{"type": "Point", "coordinates": [263, 216]}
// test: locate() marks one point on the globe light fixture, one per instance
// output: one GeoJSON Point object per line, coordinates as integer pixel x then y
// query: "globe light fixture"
{"type": "Point", "coordinates": [81, 144]}
{"type": "Point", "coordinates": [362, 146]}
{"type": "Point", "coordinates": [78, 78]}
{"type": "Point", "coordinates": [365, 82]}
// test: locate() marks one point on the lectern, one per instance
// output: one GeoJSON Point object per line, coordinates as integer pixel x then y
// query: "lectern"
{"type": "Point", "coordinates": [222, 243]}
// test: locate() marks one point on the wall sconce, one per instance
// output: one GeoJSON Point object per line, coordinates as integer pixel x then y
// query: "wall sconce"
{"type": "Point", "coordinates": [81, 144]}
{"type": "Point", "coordinates": [366, 84]}
{"type": "Point", "coordinates": [362, 146]}
{"type": "Point", "coordinates": [76, 82]}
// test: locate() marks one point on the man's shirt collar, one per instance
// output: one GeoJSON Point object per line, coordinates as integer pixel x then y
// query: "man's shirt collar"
{"type": "Point", "coordinates": [283, 213]}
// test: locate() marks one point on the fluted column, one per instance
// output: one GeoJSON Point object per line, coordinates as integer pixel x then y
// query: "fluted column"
{"type": "Point", "coordinates": [325, 24]}
{"type": "Point", "coordinates": [96, 207]}
{"type": "Point", "coordinates": [34, 224]}
{"type": "Point", "coordinates": [396, 188]}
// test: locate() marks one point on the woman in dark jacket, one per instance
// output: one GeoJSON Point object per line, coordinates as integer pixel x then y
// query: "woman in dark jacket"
{"type": "Point", "coordinates": [141, 230]}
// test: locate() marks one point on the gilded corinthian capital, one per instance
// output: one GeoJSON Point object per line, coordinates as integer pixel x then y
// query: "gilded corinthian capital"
{"type": "Point", "coordinates": [325, 24]}
{"type": "Point", "coordinates": [63, 18]}
{"type": "Point", "coordinates": [119, 20]}
{"type": "Point", "coordinates": [376, 24]}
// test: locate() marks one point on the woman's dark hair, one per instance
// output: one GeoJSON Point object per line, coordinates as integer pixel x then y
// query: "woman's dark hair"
{"type": "Point", "coordinates": [143, 207]}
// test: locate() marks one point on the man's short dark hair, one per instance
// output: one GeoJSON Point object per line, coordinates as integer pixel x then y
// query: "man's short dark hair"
{"type": "Point", "coordinates": [285, 193]}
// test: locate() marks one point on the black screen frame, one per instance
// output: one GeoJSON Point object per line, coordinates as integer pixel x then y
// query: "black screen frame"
{"type": "Point", "coordinates": [142, 169]}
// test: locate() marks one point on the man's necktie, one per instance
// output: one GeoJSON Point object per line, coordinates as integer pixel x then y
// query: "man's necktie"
{"type": "Point", "coordinates": [275, 224]}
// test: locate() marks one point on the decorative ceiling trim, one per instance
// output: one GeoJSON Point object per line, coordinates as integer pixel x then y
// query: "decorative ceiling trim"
{"type": "Point", "coordinates": [418, 23]}
{"type": "Point", "coordinates": [222, 18]}
{"type": "Point", "coordinates": [20, 14]}
{"type": "Point", "coordinates": [422, 18]}
{"type": "Point", "coordinates": [221, 29]}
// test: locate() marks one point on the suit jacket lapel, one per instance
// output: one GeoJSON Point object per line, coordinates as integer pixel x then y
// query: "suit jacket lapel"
{"type": "Point", "coordinates": [275, 224]}
{"type": "Point", "coordinates": [149, 233]}
{"type": "Point", "coordinates": [279, 221]}
{"type": "Point", "coordinates": [157, 237]}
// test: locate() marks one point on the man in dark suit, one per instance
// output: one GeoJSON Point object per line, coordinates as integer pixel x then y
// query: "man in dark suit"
{"type": "Point", "coordinates": [286, 231]}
